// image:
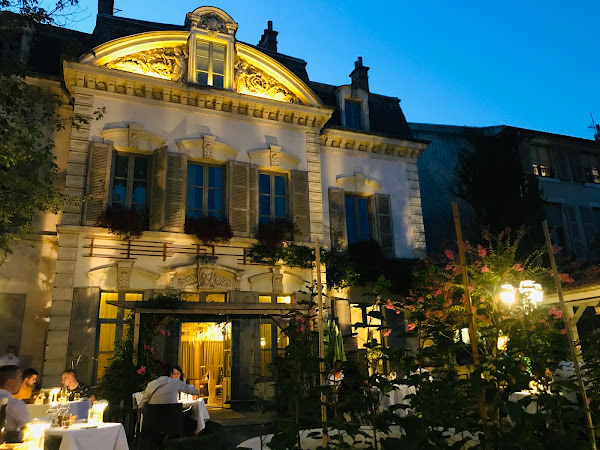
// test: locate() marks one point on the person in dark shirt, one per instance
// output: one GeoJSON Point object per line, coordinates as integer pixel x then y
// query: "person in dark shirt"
{"type": "Point", "coordinates": [70, 383]}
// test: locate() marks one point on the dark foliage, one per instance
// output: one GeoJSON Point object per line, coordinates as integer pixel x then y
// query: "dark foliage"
{"type": "Point", "coordinates": [129, 223]}
{"type": "Point", "coordinates": [209, 230]}
{"type": "Point", "coordinates": [276, 232]}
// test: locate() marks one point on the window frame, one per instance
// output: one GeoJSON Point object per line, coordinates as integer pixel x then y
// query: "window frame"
{"type": "Point", "coordinates": [356, 198]}
{"type": "Point", "coordinates": [205, 189]}
{"type": "Point", "coordinates": [210, 70]}
{"type": "Point", "coordinates": [542, 165]}
{"type": "Point", "coordinates": [130, 178]}
{"type": "Point", "coordinates": [591, 164]}
{"type": "Point", "coordinates": [273, 196]}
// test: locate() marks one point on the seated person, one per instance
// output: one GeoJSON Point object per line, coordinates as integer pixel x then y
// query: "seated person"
{"type": "Point", "coordinates": [29, 379]}
{"type": "Point", "coordinates": [69, 381]}
{"type": "Point", "coordinates": [165, 389]}
{"type": "Point", "coordinates": [177, 373]}
{"type": "Point", "coordinates": [16, 410]}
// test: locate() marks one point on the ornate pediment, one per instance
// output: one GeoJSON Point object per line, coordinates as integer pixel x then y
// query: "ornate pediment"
{"type": "Point", "coordinates": [169, 63]}
{"type": "Point", "coordinates": [250, 80]}
{"type": "Point", "coordinates": [204, 277]}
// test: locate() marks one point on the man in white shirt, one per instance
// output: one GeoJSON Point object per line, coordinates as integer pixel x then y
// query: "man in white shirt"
{"type": "Point", "coordinates": [165, 389]}
{"type": "Point", "coordinates": [16, 410]}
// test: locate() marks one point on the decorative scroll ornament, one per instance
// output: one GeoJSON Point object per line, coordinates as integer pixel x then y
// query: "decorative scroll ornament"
{"type": "Point", "coordinates": [212, 22]}
{"type": "Point", "coordinates": [205, 279]}
{"type": "Point", "coordinates": [169, 63]}
{"type": "Point", "coordinates": [253, 81]}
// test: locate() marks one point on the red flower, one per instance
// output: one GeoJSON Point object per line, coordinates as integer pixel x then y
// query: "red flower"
{"type": "Point", "coordinates": [300, 329]}
{"type": "Point", "coordinates": [168, 333]}
{"type": "Point", "coordinates": [449, 254]}
{"type": "Point", "coordinates": [565, 278]}
{"type": "Point", "coordinates": [449, 266]}
{"type": "Point", "coordinates": [485, 269]}
{"type": "Point", "coordinates": [481, 251]}
{"type": "Point", "coordinates": [386, 332]}
{"type": "Point", "coordinates": [501, 235]}
{"type": "Point", "coordinates": [556, 313]}
{"type": "Point", "coordinates": [162, 332]}
{"type": "Point", "coordinates": [518, 267]}
{"type": "Point", "coordinates": [411, 326]}
{"type": "Point", "coordinates": [563, 331]}
{"type": "Point", "coordinates": [142, 370]}
{"type": "Point", "coordinates": [388, 304]}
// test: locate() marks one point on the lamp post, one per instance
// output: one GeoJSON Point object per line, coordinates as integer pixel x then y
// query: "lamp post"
{"type": "Point", "coordinates": [531, 293]}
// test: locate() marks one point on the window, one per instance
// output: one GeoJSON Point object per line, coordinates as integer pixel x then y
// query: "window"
{"type": "Point", "coordinates": [272, 197]}
{"type": "Point", "coordinates": [556, 227]}
{"type": "Point", "coordinates": [357, 219]}
{"type": "Point", "coordinates": [591, 165]}
{"type": "Point", "coordinates": [110, 326]}
{"type": "Point", "coordinates": [210, 63]}
{"type": "Point", "coordinates": [130, 181]}
{"type": "Point", "coordinates": [540, 157]}
{"type": "Point", "coordinates": [273, 341]}
{"type": "Point", "coordinates": [368, 329]}
{"type": "Point", "coordinates": [205, 191]}
{"type": "Point", "coordinates": [204, 297]}
{"type": "Point", "coordinates": [352, 112]}
{"type": "Point", "coordinates": [274, 299]}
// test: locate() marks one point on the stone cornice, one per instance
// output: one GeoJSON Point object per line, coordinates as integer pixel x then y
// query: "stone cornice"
{"type": "Point", "coordinates": [371, 144]}
{"type": "Point", "coordinates": [132, 86]}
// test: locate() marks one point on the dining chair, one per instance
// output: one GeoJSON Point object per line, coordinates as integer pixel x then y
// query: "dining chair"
{"type": "Point", "coordinates": [161, 421]}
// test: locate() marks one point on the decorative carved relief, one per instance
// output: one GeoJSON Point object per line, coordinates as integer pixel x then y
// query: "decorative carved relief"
{"type": "Point", "coordinates": [253, 81]}
{"type": "Point", "coordinates": [169, 63]}
{"type": "Point", "coordinates": [205, 278]}
{"type": "Point", "coordinates": [212, 22]}
{"type": "Point", "coordinates": [274, 158]}
{"type": "Point", "coordinates": [123, 280]}
{"type": "Point", "coordinates": [208, 150]}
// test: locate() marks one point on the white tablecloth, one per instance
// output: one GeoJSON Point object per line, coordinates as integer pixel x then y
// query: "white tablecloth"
{"type": "Point", "coordinates": [398, 397]}
{"type": "Point", "coordinates": [80, 409]}
{"type": "Point", "coordinates": [517, 396]}
{"type": "Point", "coordinates": [107, 436]}
{"type": "Point", "coordinates": [199, 412]}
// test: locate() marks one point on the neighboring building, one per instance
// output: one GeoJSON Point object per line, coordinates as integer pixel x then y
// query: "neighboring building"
{"type": "Point", "coordinates": [567, 169]}
{"type": "Point", "coordinates": [198, 124]}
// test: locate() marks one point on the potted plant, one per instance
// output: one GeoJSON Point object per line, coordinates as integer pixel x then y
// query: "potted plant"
{"type": "Point", "coordinates": [129, 223]}
{"type": "Point", "coordinates": [209, 230]}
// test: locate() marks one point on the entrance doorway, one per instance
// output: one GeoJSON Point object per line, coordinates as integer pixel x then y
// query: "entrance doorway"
{"type": "Point", "coordinates": [205, 356]}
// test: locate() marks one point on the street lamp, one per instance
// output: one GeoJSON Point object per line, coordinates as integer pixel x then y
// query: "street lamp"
{"type": "Point", "coordinates": [531, 294]}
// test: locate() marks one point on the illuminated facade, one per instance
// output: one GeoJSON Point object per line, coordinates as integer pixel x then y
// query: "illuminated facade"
{"type": "Point", "coordinates": [199, 124]}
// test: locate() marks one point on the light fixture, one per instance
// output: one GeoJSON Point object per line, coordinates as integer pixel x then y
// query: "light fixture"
{"type": "Point", "coordinates": [502, 341]}
{"type": "Point", "coordinates": [507, 294]}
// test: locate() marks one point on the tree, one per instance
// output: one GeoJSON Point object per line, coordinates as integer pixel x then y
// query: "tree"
{"type": "Point", "coordinates": [29, 114]}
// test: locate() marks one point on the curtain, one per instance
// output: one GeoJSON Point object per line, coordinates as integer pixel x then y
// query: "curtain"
{"type": "Point", "coordinates": [197, 357]}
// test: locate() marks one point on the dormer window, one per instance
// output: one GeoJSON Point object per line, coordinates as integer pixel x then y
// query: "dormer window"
{"type": "Point", "coordinates": [352, 114]}
{"type": "Point", "coordinates": [210, 63]}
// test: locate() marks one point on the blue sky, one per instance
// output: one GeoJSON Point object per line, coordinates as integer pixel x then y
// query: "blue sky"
{"type": "Point", "coordinates": [531, 64]}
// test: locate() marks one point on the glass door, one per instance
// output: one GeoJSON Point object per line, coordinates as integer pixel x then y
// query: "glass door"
{"type": "Point", "coordinates": [226, 383]}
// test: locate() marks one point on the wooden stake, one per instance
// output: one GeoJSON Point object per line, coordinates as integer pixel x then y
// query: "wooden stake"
{"type": "Point", "coordinates": [575, 355]}
{"type": "Point", "coordinates": [468, 306]}
{"type": "Point", "coordinates": [321, 341]}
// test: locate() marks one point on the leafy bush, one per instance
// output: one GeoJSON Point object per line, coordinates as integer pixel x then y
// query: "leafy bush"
{"type": "Point", "coordinates": [129, 223]}
{"type": "Point", "coordinates": [209, 230]}
{"type": "Point", "coordinates": [276, 232]}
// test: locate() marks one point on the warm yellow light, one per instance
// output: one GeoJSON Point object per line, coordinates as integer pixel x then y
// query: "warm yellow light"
{"type": "Point", "coordinates": [286, 299]}
{"type": "Point", "coordinates": [507, 294]}
{"type": "Point", "coordinates": [464, 335]}
{"type": "Point", "coordinates": [263, 342]}
{"type": "Point", "coordinates": [502, 341]}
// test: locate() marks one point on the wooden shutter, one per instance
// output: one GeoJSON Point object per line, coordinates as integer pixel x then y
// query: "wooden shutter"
{"type": "Point", "coordinates": [561, 162]}
{"type": "Point", "coordinates": [576, 237]}
{"type": "Point", "coordinates": [337, 218]}
{"type": "Point", "coordinates": [300, 204]}
{"type": "Point", "coordinates": [577, 166]}
{"type": "Point", "coordinates": [175, 196]}
{"type": "Point", "coordinates": [98, 181]}
{"type": "Point", "coordinates": [238, 176]}
{"type": "Point", "coordinates": [82, 332]}
{"type": "Point", "coordinates": [525, 156]}
{"type": "Point", "coordinates": [587, 217]}
{"type": "Point", "coordinates": [253, 199]}
{"type": "Point", "coordinates": [384, 224]}
{"type": "Point", "coordinates": [12, 307]}
{"type": "Point", "coordinates": [158, 192]}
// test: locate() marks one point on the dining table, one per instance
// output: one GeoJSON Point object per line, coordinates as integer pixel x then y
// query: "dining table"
{"type": "Point", "coordinates": [199, 412]}
{"type": "Point", "coordinates": [84, 436]}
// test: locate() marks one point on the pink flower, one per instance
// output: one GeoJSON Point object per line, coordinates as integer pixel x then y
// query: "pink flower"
{"type": "Point", "coordinates": [301, 319]}
{"type": "Point", "coordinates": [485, 269]}
{"type": "Point", "coordinates": [507, 230]}
{"type": "Point", "coordinates": [501, 235]}
{"type": "Point", "coordinates": [563, 331]}
{"type": "Point", "coordinates": [518, 267]}
{"type": "Point", "coordinates": [565, 278]}
{"type": "Point", "coordinates": [420, 299]}
{"type": "Point", "coordinates": [449, 254]}
{"type": "Point", "coordinates": [146, 347]}
{"type": "Point", "coordinates": [556, 249]}
{"type": "Point", "coordinates": [542, 321]}
{"type": "Point", "coordinates": [162, 332]}
{"type": "Point", "coordinates": [386, 332]}
{"type": "Point", "coordinates": [448, 266]}
{"type": "Point", "coordinates": [142, 370]}
{"type": "Point", "coordinates": [556, 313]}
{"type": "Point", "coordinates": [481, 251]}
{"type": "Point", "coordinates": [300, 329]}
{"type": "Point", "coordinates": [411, 326]}
{"type": "Point", "coordinates": [294, 301]}
{"type": "Point", "coordinates": [388, 304]}
{"type": "Point", "coordinates": [485, 234]}
{"type": "Point", "coordinates": [168, 333]}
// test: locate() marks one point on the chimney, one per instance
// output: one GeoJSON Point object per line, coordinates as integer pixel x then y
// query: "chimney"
{"type": "Point", "coordinates": [269, 38]}
{"type": "Point", "coordinates": [359, 76]}
{"type": "Point", "coordinates": [597, 133]}
{"type": "Point", "coordinates": [106, 7]}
